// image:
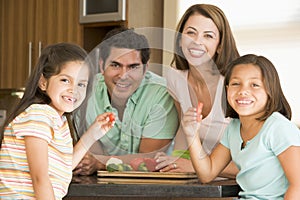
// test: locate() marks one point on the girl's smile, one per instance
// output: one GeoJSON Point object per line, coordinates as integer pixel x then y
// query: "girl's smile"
{"type": "Point", "coordinates": [246, 90]}
{"type": "Point", "coordinates": [67, 89]}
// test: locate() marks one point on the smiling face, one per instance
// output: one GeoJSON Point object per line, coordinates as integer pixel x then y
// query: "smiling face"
{"type": "Point", "coordinates": [200, 39]}
{"type": "Point", "coordinates": [67, 90]}
{"type": "Point", "coordinates": [123, 72]}
{"type": "Point", "coordinates": [246, 91]}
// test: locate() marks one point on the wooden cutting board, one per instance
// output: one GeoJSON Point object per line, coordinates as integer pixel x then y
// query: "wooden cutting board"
{"type": "Point", "coordinates": [136, 177]}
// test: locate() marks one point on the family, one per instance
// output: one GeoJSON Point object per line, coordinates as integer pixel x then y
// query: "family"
{"type": "Point", "coordinates": [225, 112]}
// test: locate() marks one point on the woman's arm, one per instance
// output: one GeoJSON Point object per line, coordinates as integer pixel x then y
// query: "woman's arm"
{"type": "Point", "coordinates": [37, 156]}
{"type": "Point", "coordinates": [290, 162]}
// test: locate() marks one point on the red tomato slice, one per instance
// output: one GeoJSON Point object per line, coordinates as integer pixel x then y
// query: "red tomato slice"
{"type": "Point", "coordinates": [111, 117]}
{"type": "Point", "coordinates": [199, 110]}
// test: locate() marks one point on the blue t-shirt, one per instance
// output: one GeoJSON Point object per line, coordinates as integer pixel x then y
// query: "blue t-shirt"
{"type": "Point", "coordinates": [261, 175]}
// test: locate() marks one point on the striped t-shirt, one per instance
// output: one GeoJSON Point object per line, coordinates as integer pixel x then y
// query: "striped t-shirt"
{"type": "Point", "coordinates": [42, 121]}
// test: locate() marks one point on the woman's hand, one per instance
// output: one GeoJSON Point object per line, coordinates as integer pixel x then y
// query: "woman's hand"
{"type": "Point", "coordinates": [172, 164]}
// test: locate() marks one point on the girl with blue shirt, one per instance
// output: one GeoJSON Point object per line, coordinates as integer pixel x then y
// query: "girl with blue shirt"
{"type": "Point", "coordinates": [260, 139]}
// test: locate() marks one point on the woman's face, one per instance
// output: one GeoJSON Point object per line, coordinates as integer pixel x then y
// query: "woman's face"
{"type": "Point", "coordinates": [200, 39]}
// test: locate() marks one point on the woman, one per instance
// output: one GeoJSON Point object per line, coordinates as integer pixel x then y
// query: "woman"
{"type": "Point", "coordinates": [204, 45]}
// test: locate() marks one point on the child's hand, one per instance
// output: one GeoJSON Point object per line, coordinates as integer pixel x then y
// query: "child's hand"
{"type": "Point", "coordinates": [102, 124]}
{"type": "Point", "coordinates": [191, 121]}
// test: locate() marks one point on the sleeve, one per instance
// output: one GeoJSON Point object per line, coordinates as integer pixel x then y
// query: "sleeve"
{"type": "Point", "coordinates": [162, 121]}
{"type": "Point", "coordinates": [225, 140]}
{"type": "Point", "coordinates": [36, 122]}
{"type": "Point", "coordinates": [282, 136]}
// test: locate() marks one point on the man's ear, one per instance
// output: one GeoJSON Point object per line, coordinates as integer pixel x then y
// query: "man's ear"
{"type": "Point", "coordinates": [43, 83]}
{"type": "Point", "coordinates": [101, 66]}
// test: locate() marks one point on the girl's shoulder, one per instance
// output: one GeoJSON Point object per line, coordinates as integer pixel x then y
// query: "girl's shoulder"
{"type": "Point", "coordinates": [39, 112]}
{"type": "Point", "coordinates": [277, 121]}
{"type": "Point", "coordinates": [41, 109]}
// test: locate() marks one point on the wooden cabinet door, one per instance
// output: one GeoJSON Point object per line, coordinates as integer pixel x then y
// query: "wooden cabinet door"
{"type": "Point", "coordinates": [26, 28]}
{"type": "Point", "coordinates": [57, 21]}
{"type": "Point", "coordinates": [17, 30]}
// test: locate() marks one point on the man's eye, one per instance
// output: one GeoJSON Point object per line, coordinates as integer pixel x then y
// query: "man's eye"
{"type": "Point", "coordinates": [134, 67]}
{"type": "Point", "coordinates": [114, 65]}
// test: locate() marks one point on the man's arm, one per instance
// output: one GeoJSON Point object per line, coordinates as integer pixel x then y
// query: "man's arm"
{"type": "Point", "coordinates": [148, 145]}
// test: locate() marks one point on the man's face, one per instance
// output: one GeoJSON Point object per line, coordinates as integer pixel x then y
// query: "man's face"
{"type": "Point", "coordinates": [123, 72]}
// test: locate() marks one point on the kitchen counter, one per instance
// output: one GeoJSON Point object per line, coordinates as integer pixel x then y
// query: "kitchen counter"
{"type": "Point", "coordinates": [88, 187]}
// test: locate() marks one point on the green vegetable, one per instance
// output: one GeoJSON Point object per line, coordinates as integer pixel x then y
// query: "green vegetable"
{"type": "Point", "coordinates": [127, 167]}
{"type": "Point", "coordinates": [142, 167]}
{"type": "Point", "coordinates": [182, 154]}
{"type": "Point", "coordinates": [112, 167]}
{"type": "Point", "coordinates": [118, 167]}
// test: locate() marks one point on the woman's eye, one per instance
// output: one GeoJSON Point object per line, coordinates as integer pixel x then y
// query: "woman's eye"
{"type": "Point", "coordinates": [255, 85]}
{"type": "Point", "coordinates": [208, 36]}
{"type": "Point", "coordinates": [190, 33]}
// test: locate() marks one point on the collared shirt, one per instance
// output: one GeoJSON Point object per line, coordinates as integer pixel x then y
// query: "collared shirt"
{"type": "Point", "coordinates": [42, 121]}
{"type": "Point", "coordinates": [261, 175]}
{"type": "Point", "coordinates": [150, 113]}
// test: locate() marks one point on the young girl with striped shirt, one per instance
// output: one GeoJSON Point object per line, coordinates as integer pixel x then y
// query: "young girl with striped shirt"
{"type": "Point", "coordinates": [37, 155]}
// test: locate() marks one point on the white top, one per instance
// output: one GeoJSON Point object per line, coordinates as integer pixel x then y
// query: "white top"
{"type": "Point", "coordinates": [213, 125]}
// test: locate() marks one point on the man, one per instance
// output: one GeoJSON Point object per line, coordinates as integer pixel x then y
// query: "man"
{"type": "Point", "coordinates": [146, 117]}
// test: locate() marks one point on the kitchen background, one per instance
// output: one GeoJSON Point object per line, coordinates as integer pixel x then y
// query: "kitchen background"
{"type": "Point", "coordinates": [270, 28]}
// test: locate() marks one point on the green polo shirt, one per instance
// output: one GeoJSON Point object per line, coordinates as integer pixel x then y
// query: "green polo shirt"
{"type": "Point", "coordinates": [150, 113]}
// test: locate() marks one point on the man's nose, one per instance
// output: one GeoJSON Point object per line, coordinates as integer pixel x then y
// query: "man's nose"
{"type": "Point", "coordinates": [123, 72]}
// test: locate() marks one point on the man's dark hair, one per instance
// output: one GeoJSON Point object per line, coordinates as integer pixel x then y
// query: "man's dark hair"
{"type": "Point", "coordinates": [125, 38]}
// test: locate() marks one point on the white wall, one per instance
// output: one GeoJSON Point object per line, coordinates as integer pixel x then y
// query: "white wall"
{"type": "Point", "coordinates": [270, 28]}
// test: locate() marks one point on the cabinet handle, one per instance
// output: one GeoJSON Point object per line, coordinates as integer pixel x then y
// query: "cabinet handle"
{"type": "Point", "coordinates": [40, 48]}
{"type": "Point", "coordinates": [29, 60]}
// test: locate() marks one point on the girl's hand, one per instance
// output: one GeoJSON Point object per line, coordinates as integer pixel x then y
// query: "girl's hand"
{"type": "Point", "coordinates": [191, 121]}
{"type": "Point", "coordinates": [102, 124]}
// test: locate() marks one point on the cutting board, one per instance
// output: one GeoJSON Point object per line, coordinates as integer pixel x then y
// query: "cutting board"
{"type": "Point", "coordinates": [136, 177]}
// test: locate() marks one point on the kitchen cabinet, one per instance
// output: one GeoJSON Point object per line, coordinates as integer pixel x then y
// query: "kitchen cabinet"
{"type": "Point", "coordinates": [26, 28]}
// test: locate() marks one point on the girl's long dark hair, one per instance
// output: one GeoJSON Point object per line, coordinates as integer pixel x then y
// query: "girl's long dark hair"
{"type": "Point", "coordinates": [50, 63]}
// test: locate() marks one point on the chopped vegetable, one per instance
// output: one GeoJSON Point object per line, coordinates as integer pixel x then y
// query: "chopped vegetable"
{"type": "Point", "coordinates": [111, 117]}
{"type": "Point", "coordinates": [182, 154]}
